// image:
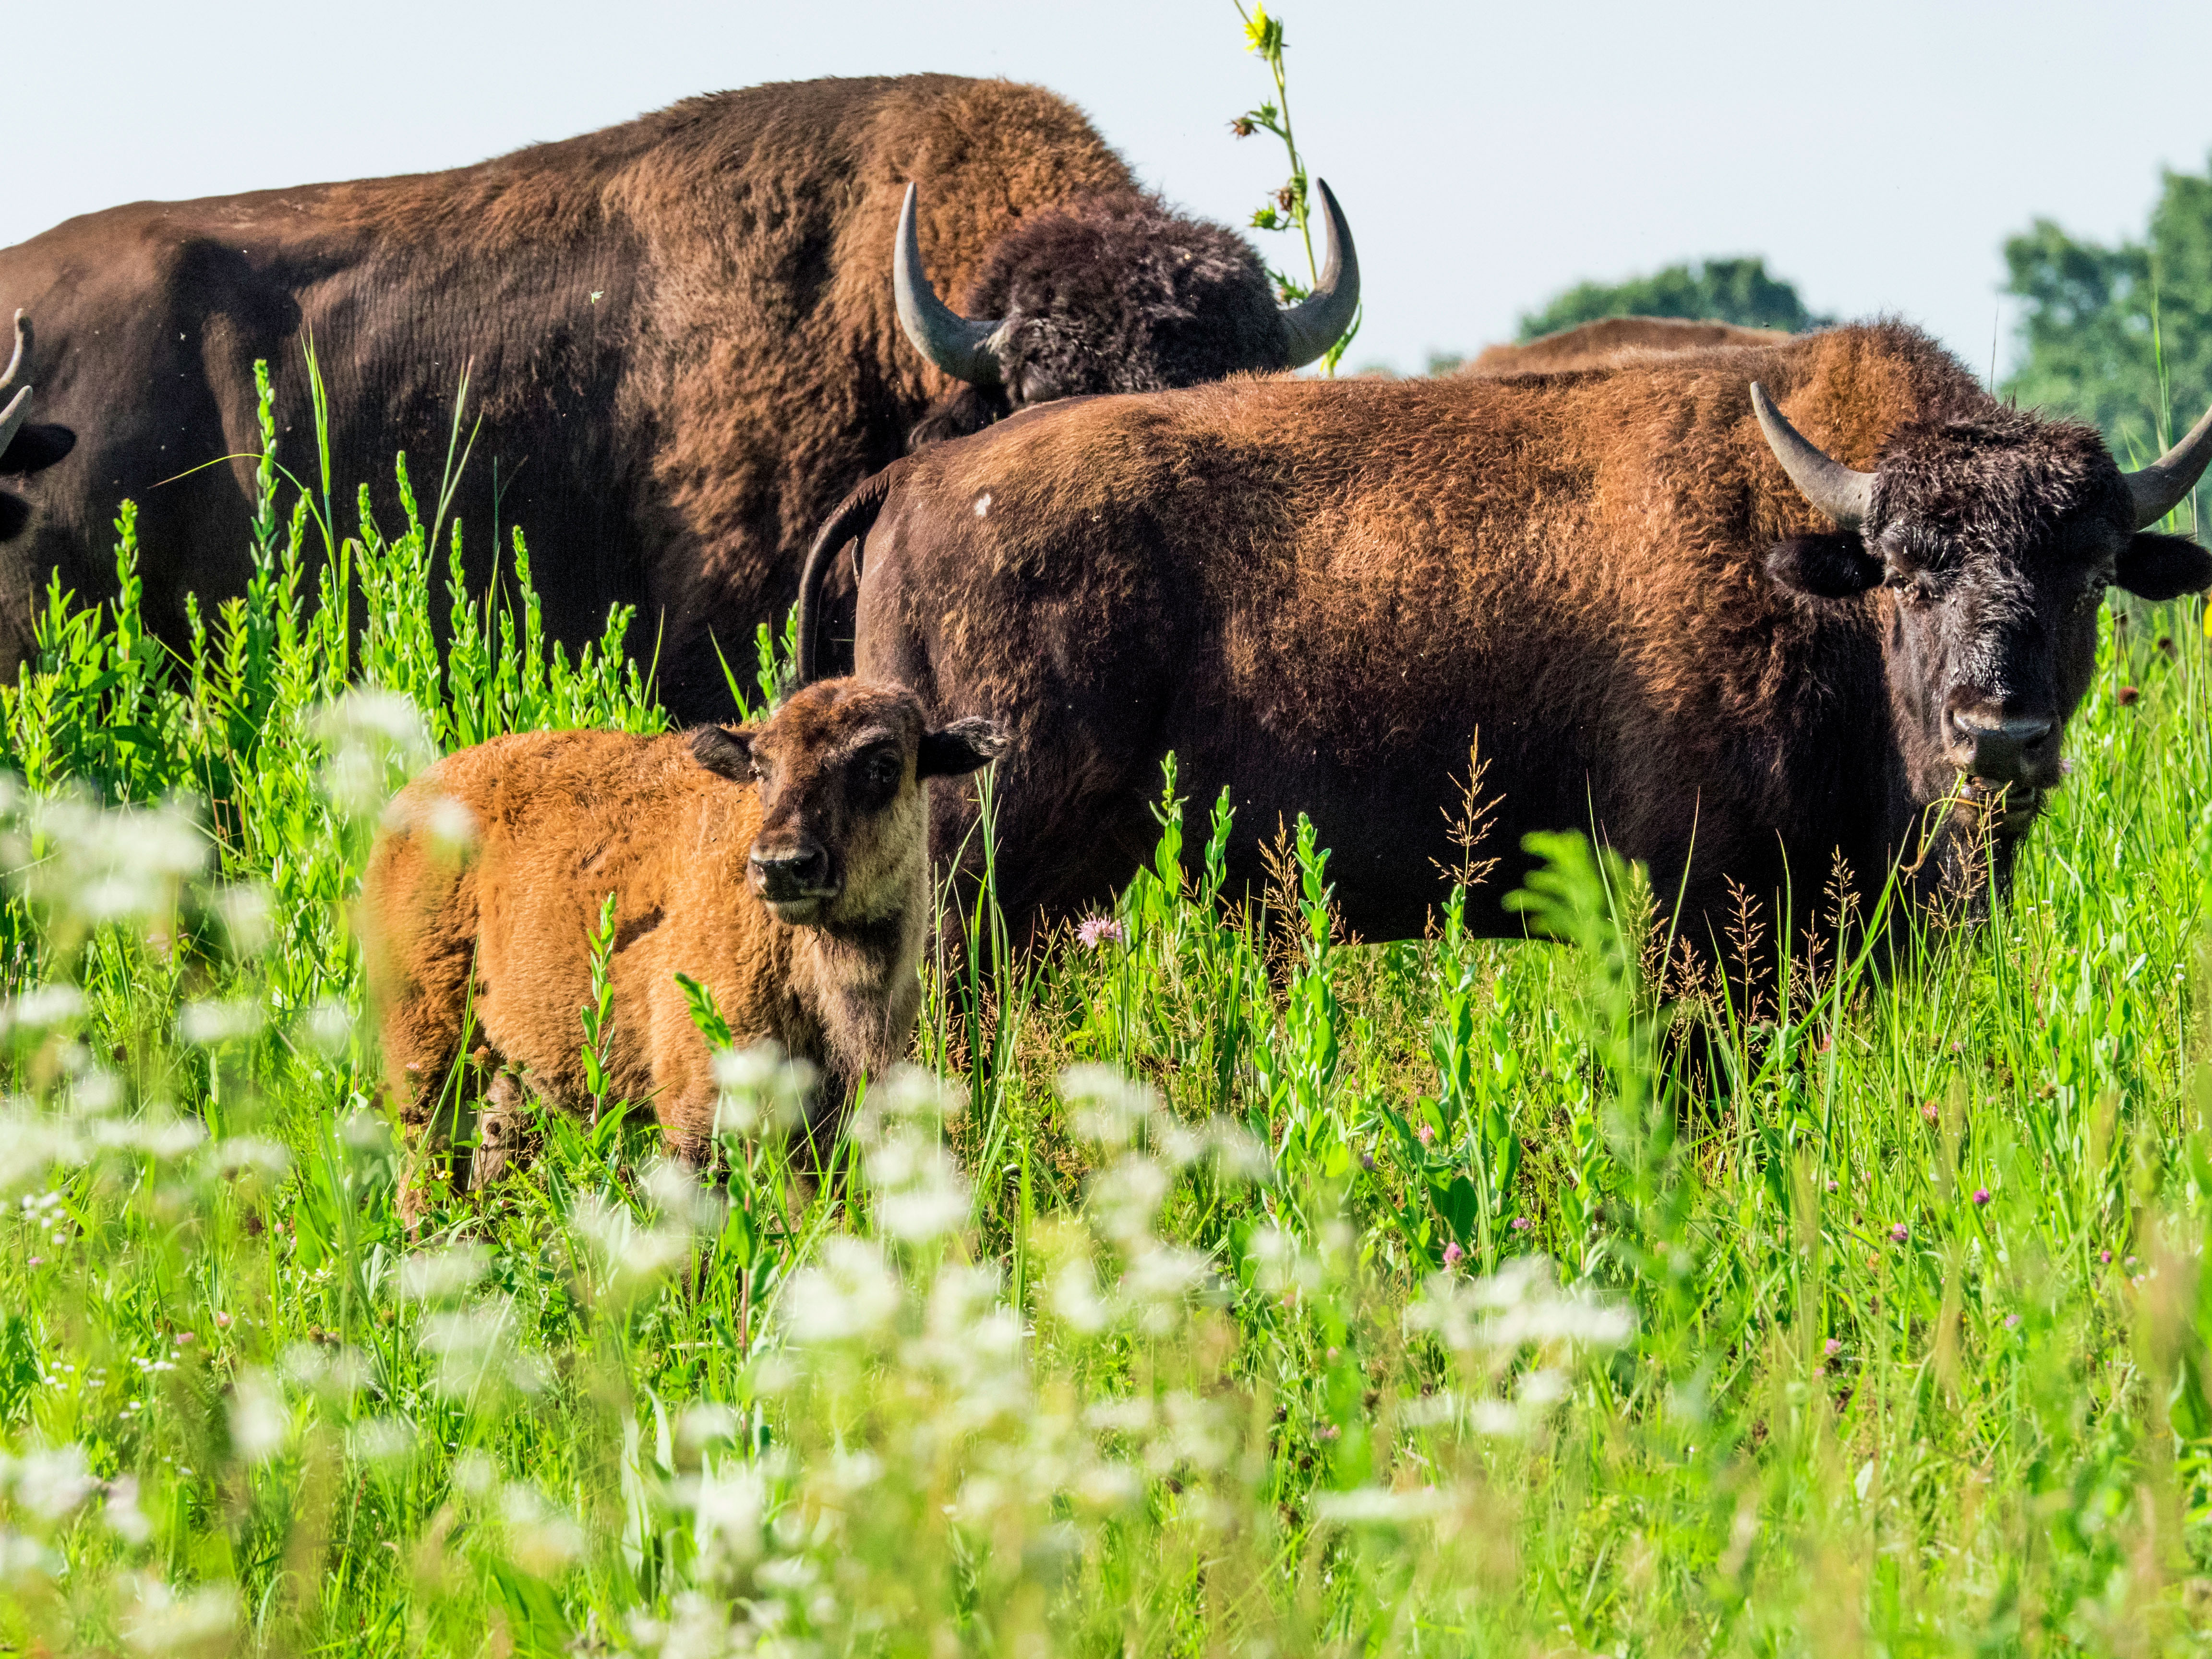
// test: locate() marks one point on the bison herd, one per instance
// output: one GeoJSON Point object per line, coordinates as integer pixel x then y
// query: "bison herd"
{"type": "Point", "coordinates": [1753, 609]}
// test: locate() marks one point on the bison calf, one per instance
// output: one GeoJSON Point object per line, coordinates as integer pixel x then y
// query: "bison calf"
{"type": "Point", "coordinates": [801, 904]}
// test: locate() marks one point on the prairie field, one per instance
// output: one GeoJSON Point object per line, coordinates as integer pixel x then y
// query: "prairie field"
{"type": "Point", "coordinates": [1209, 1283]}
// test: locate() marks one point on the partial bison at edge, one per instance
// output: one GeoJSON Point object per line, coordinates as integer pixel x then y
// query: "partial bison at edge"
{"type": "Point", "coordinates": [681, 334]}
{"type": "Point", "coordinates": [801, 903]}
{"type": "Point", "coordinates": [1671, 619]}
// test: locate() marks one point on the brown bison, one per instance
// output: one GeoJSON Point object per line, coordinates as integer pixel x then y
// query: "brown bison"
{"type": "Point", "coordinates": [1669, 616]}
{"type": "Point", "coordinates": [801, 904]}
{"type": "Point", "coordinates": [682, 337]}
{"type": "Point", "coordinates": [1600, 344]}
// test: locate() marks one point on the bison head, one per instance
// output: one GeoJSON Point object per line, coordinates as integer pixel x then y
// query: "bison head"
{"type": "Point", "coordinates": [1994, 538]}
{"type": "Point", "coordinates": [1111, 294]}
{"type": "Point", "coordinates": [843, 832]}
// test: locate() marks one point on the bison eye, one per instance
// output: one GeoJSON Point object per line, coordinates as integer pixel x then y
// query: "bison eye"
{"type": "Point", "coordinates": [879, 775]}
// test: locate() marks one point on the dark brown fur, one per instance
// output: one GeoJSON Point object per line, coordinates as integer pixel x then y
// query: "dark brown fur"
{"type": "Point", "coordinates": [678, 333]}
{"type": "Point", "coordinates": [489, 944]}
{"type": "Point", "coordinates": [1315, 593]}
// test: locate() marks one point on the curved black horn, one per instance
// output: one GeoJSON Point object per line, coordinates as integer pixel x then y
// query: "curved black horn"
{"type": "Point", "coordinates": [1841, 492]}
{"type": "Point", "coordinates": [1318, 321]}
{"type": "Point", "coordinates": [961, 347]}
{"type": "Point", "coordinates": [2158, 489]}
{"type": "Point", "coordinates": [19, 407]}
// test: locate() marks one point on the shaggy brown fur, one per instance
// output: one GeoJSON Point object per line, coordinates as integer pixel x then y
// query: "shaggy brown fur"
{"type": "Point", "coordinates": [679, 334]}
{"type": "Point", "coordinates": [1315, 593]}
{"type": "Point", "coordinates": [1600, 344]}
{"type": "Point", "coordinates": [801, 905]}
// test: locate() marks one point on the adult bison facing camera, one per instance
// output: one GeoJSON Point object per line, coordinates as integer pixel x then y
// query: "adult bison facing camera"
{"type": "Point", "coordinates": [1668, 614]}
{"type": "Point", "coordinates": [682, 335]}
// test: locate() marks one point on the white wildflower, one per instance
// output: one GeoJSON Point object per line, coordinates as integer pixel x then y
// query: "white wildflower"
{"type": "Point", "coordinates": [1497, 1420]}
{"type": "Point", "coordinates": [1122, 1414]}
{"type": "Point", "coordinates": [235, 1152]}
{"type": "Point", "coordinates": [1519, 1306]}
{"type": "Point", "coordinates": [95, 865]}
{"type": "Point", "coordinates": [758, 1090]}
{"type": "Point", "coordinates": [1125, 1197]}
{"type": "Point", "coordinates": [335, 1374]}
{"type": "Point", "coordinates": [383, 1441]}
{"type": "Point", "coordinates": [244, 910]}
{"type": "Point", "coordinates": [633, 1251]}
{"type": "Point", "coordinates": [327, 1026]}
{"type": "Point", "coordinates": [121, 1511]}
{"type": "Point", "coordinates": [850, 1295]}
{"type": "Point", "coordinates": [1197, 1431]}
{"type": "Point", "coordinates": [473, 1475]}
{"type": "Point", "coordinates": [1377, 1506]}
{"type": "Point", "coordinates": [1541, 1387]}
{"type": "Point", "coordinates": [1428, 1411]}
{"type": "Point", "coordinates": [1238, 1154]}
{"type": "Point", "coordinates": [1108, 1487]}
{"type": "Point", "coordinates": [683, 1199]}
{"type": "Point", "coordinates": [22, 1558]}
{"type": "Point", "coordinates": [729, 1506]}
{"type": "Point", "coordinates": [921, 1194]}
{"type": "Point", "coordinates": [41, 1007]}
{"type": "Point", "coordinates": [161, 1133]}
{"type": "Point", "coordinates": [1282, 1265]}
{"type": "Point", "coordinates": [475, 1346]}
{"type": "Point", "coordinates": [437, 1275]}
{"type": "Point", "coordinates": [201, 1620]}
{"type": "Point", "coordinates": [1166, 1274]}
{"type": "Point", "coordinates": [1073, 1290]}
{"type": "Point", "coordinates": [850, 1474]}
{"type": "Point", "coordinates": [541, 1538]}
{"type": "Point", "coordinates": [369, 735]}
{"type": "Point", "coordinates": [31, 1147]}
{"type": "Point", "coordinates": [211, 1022]}
{"type": "Point", "coordinates": [49, 1482]}
{"type": "Point", "coordinates": [706, 1421]}
{"type": "Point", "coordinates": [367, 1132]}
{"type": "Point", "coordinates": [96, 1092]}
{"type": "Point", "coordinates": [1110, 1109]}
{"type": "Point", "coordinates": [260, 1425]}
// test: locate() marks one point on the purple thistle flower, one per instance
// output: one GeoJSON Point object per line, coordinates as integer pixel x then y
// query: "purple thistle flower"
{"type": "Point", "coordinates": [1981, 1197]}
{"type": "Point", "coordinates": [1453, 1254]}
{"type": "Point", "coordinates": [1095, 931]}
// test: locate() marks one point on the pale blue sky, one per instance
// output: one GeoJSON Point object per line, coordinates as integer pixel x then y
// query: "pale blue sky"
{"type": "Point", "coordinates": [1487, 155]}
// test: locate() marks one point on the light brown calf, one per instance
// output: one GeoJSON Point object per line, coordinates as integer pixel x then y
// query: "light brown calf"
{"type": "Point", "coordinates": [802, 904]}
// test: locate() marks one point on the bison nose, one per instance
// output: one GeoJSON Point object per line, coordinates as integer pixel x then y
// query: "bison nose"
{"type": "Point", "coordinates": [785, 875]}
{"type": "Point", "coordinates": [2000, 745]}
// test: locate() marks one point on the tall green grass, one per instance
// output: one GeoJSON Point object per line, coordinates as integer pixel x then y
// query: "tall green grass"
{"type": "Point", "coordinates": [1215, 1283]}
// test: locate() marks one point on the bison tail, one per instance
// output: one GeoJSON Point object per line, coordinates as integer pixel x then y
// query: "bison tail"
{"type": "Point", "coordinates": [854, 517]}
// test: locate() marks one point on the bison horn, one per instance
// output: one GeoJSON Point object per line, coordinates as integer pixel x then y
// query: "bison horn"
{"type": "Point", "coordinates": [1842, 493]}
{"type": "Point", "coordinates": [2160, 487]}
{"type": "Point", "coordinates": [963, 349]}
{"type": "Point", "coordinates": [19, 407]}
{"type": "Point", "coordinates": [1318, 321]}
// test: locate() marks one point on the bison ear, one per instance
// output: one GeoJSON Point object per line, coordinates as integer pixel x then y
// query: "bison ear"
{"type": "Point", "coordinates": [725, 750]}
{"type": "Point", "coordinates": [2154, 566]}
{"type": "Point", "coordinates": [960, 747]}
{"type": "Point", "coordinates": [1834, 566]}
